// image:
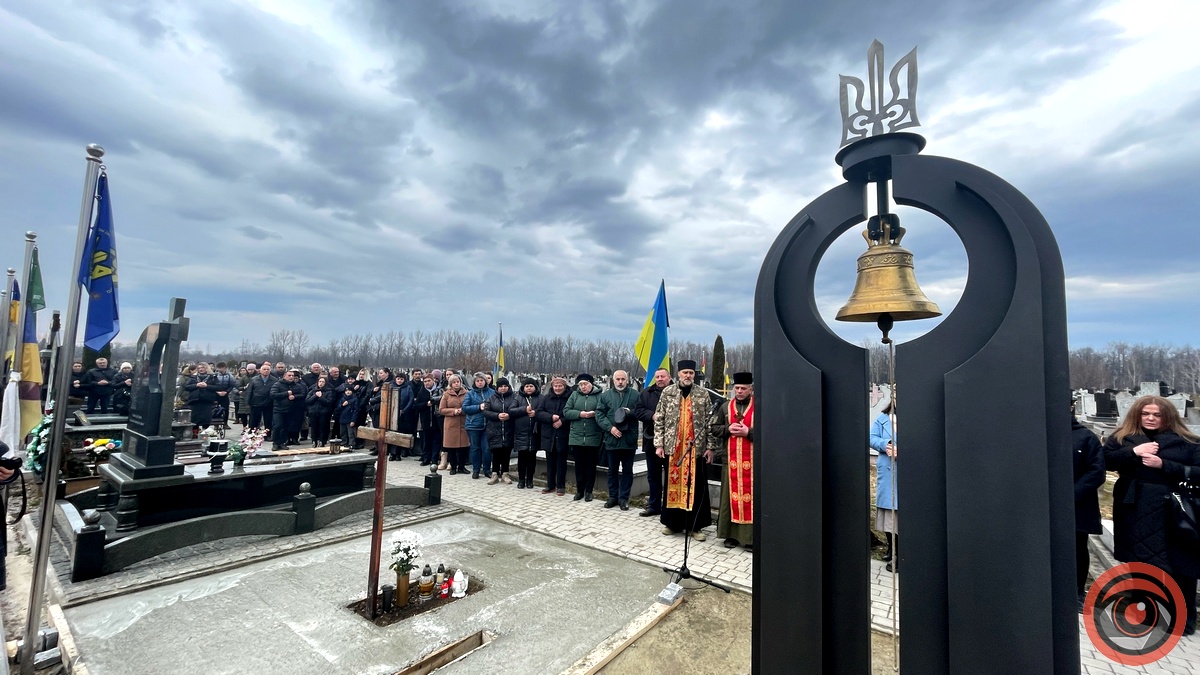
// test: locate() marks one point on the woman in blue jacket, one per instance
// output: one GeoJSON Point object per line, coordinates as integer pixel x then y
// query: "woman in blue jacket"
{"type": "Point", "coordinates": [883, 441]}
{"type": "Point", "coordinates": [473, 406]}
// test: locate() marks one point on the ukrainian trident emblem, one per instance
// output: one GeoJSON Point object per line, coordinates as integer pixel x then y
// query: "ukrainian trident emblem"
{"type": "Point", "coordinates": [880, 115]}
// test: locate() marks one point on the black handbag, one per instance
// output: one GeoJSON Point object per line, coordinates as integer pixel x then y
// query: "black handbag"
{"type": "Point", "coordinates": [1185, 508]}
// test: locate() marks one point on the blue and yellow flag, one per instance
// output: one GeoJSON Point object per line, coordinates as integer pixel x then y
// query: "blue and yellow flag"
{"type": "Point", "coordinates": [26, 360]}
{"type": "Point", "coordinates": [30, 387]}
{"type": "Point", "coordinates": [98, 274]}
{"type": "Point", "coordinates": [652, 346]}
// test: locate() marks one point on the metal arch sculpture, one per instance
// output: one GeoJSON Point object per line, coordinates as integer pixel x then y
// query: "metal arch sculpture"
{"type": "Point", "coordinates": [969, 602]}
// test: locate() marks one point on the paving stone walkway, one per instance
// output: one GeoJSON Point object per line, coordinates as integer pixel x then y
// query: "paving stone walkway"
{"type": "Point", "coordinates": [626, 534]}
{"type": "Point", "coordinates": [621, 533]}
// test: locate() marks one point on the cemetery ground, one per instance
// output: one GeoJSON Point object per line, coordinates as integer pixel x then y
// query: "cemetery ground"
{"type": "Point", "coordinates": [562, 578]}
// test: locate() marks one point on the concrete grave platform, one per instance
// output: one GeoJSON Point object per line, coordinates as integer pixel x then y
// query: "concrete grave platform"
{"type": "Point", "coordinates": [548, 601]}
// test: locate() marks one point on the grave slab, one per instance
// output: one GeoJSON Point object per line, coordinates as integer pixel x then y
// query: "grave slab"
{"type": "Point", "coordinates": [548, 601]}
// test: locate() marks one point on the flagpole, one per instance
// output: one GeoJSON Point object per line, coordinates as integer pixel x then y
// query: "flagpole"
{"type": "Point", "coordinates": [12, 273]}
{"type": "Point", "coordinates": [19, 341]}
{"type": "Point", "coordinates": [37, 585]}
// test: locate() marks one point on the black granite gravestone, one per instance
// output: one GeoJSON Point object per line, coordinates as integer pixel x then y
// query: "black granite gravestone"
{"type": "Point", "coordinates": [145, 406]}
{"type": "Point", "coordinates": [1106, 405]}
{"type": "Point", "coordinates": [148, 450]}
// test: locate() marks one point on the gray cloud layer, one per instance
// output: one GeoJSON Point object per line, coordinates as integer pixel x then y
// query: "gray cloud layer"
{"type": "Point", "coordinates": [424, 165]}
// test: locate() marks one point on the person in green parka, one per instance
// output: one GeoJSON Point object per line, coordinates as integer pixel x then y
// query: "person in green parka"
{"type": "Point", "coordinates": [585, 437]}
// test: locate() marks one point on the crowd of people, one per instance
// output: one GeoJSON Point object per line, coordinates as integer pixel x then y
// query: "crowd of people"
{"type": "Point", "coordinates": [473, 425]}
{"type": "Point", "coordinates": [105, 389]}
{"type": "Point", "coordinates": [1152, 452]}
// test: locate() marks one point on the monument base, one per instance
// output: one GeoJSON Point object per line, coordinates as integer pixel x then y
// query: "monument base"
{"type": "Point", "coordinates": [141, 502]}
{"type": "Point", "coordinates": [133, 467]}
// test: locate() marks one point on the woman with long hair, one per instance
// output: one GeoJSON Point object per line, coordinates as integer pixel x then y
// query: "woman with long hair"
{"type": "Point", "coordinates": [1149, 452]}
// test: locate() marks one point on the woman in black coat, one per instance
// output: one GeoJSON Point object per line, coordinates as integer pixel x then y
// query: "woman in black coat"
{"type": "Point", "coordinates": [500, 431]}
{"type": "Point", "coordinates": [319, 402]}
{"type": "Point", "coordinates": [405, 423]}
{"type": "Point", "coordinates": [1149, 452]}
{"type": "Point", "coordinates": [1089, 476]}
{"type": "Point", "coordinates": [430, 421]}
{"type": "Point", "coordinates": [526, 429]}
{"type": "Point", "coordinates": [362, 388]}
{"type": "Point", "coordinates": [419, 421]}
{"type": "Point", "coordinates": [296, 416]}
{"type": "Point", "coordinates": [556, 431]}
{"type": "Point", "coordinates": [201, 394]}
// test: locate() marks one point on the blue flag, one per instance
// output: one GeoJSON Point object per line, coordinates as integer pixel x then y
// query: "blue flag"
{"type": "Point", "coordinates": [98, 274]}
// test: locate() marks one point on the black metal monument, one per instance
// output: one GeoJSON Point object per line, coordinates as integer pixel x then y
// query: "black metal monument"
{"type": "Point", "coordinates": [988, 548]}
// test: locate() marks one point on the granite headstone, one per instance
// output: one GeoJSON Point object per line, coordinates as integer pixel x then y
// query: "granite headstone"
{"type": "Point", "coordinates": [149, 448]}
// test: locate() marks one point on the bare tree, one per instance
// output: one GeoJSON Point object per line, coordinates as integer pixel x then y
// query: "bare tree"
{"type": "Point", "coordinates": [1119, 365]}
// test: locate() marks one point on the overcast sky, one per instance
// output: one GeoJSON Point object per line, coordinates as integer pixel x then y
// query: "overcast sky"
{"type": "Point", "coordinates": [345, 167]}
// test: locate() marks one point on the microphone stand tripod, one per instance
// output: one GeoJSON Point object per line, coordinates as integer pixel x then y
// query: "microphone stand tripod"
{"type": "Point", "coordinates": [682, 572]}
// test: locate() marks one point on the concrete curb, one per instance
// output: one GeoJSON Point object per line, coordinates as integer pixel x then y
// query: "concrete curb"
{"type": "Point", "coordinates": [59, 595]}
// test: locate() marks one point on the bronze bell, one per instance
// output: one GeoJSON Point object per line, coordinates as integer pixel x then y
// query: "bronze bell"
{"type": "Point", "coordinates": [886, 283]}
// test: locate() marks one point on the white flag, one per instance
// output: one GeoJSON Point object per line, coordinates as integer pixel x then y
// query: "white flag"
{"type": "Point", "coordinates": [10, 417]}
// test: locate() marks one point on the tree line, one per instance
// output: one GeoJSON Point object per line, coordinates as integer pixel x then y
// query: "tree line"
{"type": "Point", "coordinates": [471, 351]}
{"type": "Point", "coordinates": [1120, 365]}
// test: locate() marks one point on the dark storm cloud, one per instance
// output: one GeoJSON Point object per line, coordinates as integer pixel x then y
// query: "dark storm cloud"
{"type": "Point", "coordinates": [143, 17]}
{"type": "Point", "coordinates": [599, 146]}
{"type": "Point", "coordinates": [349, 142]}
{"type": "Point", "coordinates": [488, 72]}
{"type": "Point", "coordinates": [455, 237]}
{"type": "Point", "coordinates": [594, 202]}
{"type": "Point", "coordinates": [536, 85]}
{"type": "Point", "coordinates": [1149, 131]}
{"type": "Point", "coordinates": [255, 232]}
{"type": "Point", "coordinates": [479, 189]}
{"type": "Point", "coordinates": [47, 106]}
{"type": "Point", "coordinates": [535, 81]}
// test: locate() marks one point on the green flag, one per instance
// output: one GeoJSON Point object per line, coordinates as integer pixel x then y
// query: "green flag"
{"type": "Point", "coordinates": [37, 296]}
